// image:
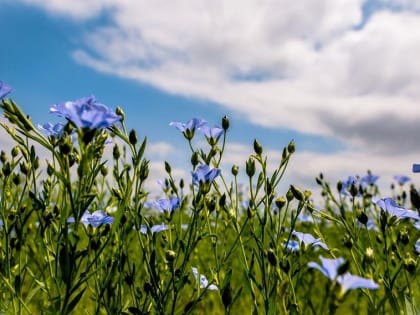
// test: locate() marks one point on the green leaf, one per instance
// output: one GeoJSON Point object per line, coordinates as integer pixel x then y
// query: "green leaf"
{"type": "Point", "coordinates": [76, 300]}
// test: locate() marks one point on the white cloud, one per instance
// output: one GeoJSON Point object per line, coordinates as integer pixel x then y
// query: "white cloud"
{"type": "Point", "coordinates": [279, 63]}
{"type": "Point", "coordinates": [303, 65]}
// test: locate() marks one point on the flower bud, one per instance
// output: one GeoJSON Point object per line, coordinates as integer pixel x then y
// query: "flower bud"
{"type": "Point", "coordinates": [342, 269]}
{"type": "Point", "coordinates": [104, 170]}
{"type": "Point", "coordinates": [168, 168]}
{"type": "Point", "coordinates": [170, 255]}
{"type": "Point", "coordinates": [225, 123]}
{"type": "Point", "coordinates": [119, 111]}
{"type": "Point", "coordinates": [410, 264]}
{"type": "Point", "coordinates": [272, 258]}
{"type": "Point", "coordinates": [116, 152]}
{"type": "Point", "coordinates": [403, 236]}
{"type": "Point", "coordinates": [222, 201]}
{"type": "Point", "coordinates": [3, 156]}
{"type": "Point", "coordinates": [235, 170]}
{"type": "Point", "coordinates": [339, 186]}
{"type": "Point", "coordinates": [37, 163]}
{"type": "Point", "coordinates": [250, 167]}
{"type": "Point", "coordinates": [348, 242]}
{"type": "Point", "coordinates": [369, 256]}
{"type": "Point", "coordinates": [280, 202]}
{"type": "Point", "coordinates": [291, 147]}
{"type": "Point", "coordinates": [297, 193]}
{"type": "Point", "coordinates": [289, 195]}
{"type": "Point", "coordinates": [195, 158]}
{"type": "Point", "coordinates": [24, 168]}
{"type": "Point", "coordinates": [144, 171]}
{"type": "Point", "coordinates": [7, 169]}
{"type": "Point", "coordinates": [354, 190]}
{"type": "Point", "coordinates": [211, 204]}
{"type": "Point", "coordinates": [362, 217]}
{"type": "Point", "coordinates": [65, 146]}
{"type": "Point", "coordinates": [15, 151]}
{"type": "Point", "coordinates": [285, 265]}
{"type": "Point", "coordinates": [16, 179]}
{"type": "Point", "coordinates": [257, 147]}
{"type": "Point", "coordinates": [132, 137]}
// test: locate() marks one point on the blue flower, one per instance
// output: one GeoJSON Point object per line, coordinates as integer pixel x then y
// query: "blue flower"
{"type": "Point", "coordinates": [49, 129]}
{"type": "Point", "coordinates": [390, 205]}
{"type": "Point", "coordinates": [369, 179]}
{"type": "Point", "coordinates": [212, 134]}
{"type": "Point", "coordinates": [191, 124]}
{"type": "Point", "coordinates": [86, 113]}
{"type": "Point", "coordinates": [348, 183]}
{"type": "Point", "coordinates": [402, 179]}
{"type": "Point", "coordinates": [304, 217]}
{"type": "Point", "coordinates": [4, 89]}
{"type": "Point", "coordinates": [205, 174]}
{"type": "Point", "coordinates": [417, 246]}
{"type": "Point", "coordinates": [154, 229]}
{"type": "Point", "coordinates": [95, 219]}
{"type": "Point", "coordinates": [204, 283]}
{"type": "Point", "coordinates": [189, 127]}
{"type": "Point", "coordinates": [309, 240]}
{"type": "Point", "coordinates": [292, 245]}
{"type": "Point", "coordinates": [165, 205]}
{"type": "Point", "coordinates": [347, 281]}
{"type": "Point", "coordinates": [370, 225]}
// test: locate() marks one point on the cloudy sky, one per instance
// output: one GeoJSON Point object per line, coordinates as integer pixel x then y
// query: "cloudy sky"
{"type": "Point", "coordinates": [340, 77]}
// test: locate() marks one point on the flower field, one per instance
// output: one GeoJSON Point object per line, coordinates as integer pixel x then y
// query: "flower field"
{"type": "Point", "coordinates": [80, 234]}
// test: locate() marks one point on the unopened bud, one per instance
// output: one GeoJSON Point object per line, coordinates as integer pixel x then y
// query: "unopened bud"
{"type": "Point", "coordinates": [24, 168]}
{"type": "Point", "coordinates": [339, 186]}
{"type": "Point", "coordinates": [225, 123]}
{"type": "Point", "coordinates": [170, 255]}
{"type": "Point", "coordinates": [235, 170]}
{"type": "Point", "coordinates": [258, 149]}
{"type": "Point", "coordinates": [348, 242]}
{"type": "Point", "coordinates": [362, 217]}
{"type": "Point", "coordinates": [119, 111]}
{"type": "Point", "coordinates": [289, 195]}
{"type": "Point", "coordinates": [410, 264]}
{"type": "Point", "coordinates": [116, 152]}
{"type": "Point", "coordinates": [369, 255]}
{"type": "Point", "coordinates": [403, 236]}
{"type": "Point", "coordinates": [250, 167]}
{"type": "Point", "coordinates": [280, 202]}
{"type": "Point", "coordinates": [291, 147]}
{"type": "Point", "coordinates": [16, 179]}
{"type": "Point", "coordinates": [271, 256]}
{"type": "Point", "coordinates": [297, 193]}
{"type": "Point", "coordinates": [104, 170]}
{"type": "Point", "coordinates": [132, 137]}
{"type": "Point", "coordinates": [15, 151]}
{"type": "Point", "coordinates": [195, 158]}
{"type": "Point", "coordinates": [3, 156]}
{"type": "Point", "coordinates": [342, 269]}
{"type": "Point", "coordinates": [168, 168]}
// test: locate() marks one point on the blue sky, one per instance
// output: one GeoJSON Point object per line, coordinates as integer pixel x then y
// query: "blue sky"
{"type": "Point", "coordinates": [339, 77]}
